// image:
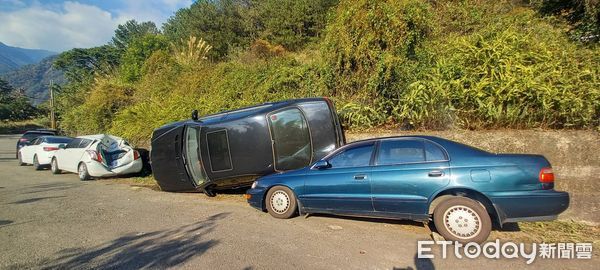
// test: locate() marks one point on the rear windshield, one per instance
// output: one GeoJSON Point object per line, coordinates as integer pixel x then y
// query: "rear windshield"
{"type": "Point", "coordinates": [58, 139]}
{"type": "Point", "coordinates": [32, 135]}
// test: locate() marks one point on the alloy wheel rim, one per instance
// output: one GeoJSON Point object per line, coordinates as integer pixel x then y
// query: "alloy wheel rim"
{"type": "Point", "coordinates": [462, 222]}
{"type": "Point", "coordinates": [53, 165]}
{"type": "Point", "coordinates": [81, 171]}
{"type": "Point", "coordinates": [280, 202]}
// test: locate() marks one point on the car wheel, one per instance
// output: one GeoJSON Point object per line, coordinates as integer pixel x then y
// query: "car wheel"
{"type": "Point", "coordinates": [54, 167]}
{"type": "Point", "coordinates": [462, 219]}
{"type": "Point", "coordinates": [83, 172]}
{"type": "Point", "coordinates": [281, 202]}
{"type": "Point", "coordinates": [21, 163]}
{"type": "Point", "coordinates": [36, 163]}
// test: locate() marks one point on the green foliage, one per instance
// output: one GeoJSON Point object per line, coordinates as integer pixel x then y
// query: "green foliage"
{"type": "Point", "coordinates": [136, 54]}
{"type": "Point", "coordinates": [519, 72]}
{"type": "Point", "coordinates": [374, 49]}
{"type": "Point", "coordinates": [583, 16]}
{"type": "Point", "coordinates": [219, 22]}
{"type": "Point", "coordinates": [131, 30]}
{"type": "Point", "coordinates": [412, 63]}
{"type": "Point", "coordinates": [289, 23]}
{"type": "Point", "coordinates": [14, 106]}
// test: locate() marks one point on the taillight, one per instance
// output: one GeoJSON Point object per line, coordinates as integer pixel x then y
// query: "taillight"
{"type": "Point", "coordinates": [23, 140]}
{"type": "Point", "coordinates": [546, 175]}
{"type": "Point", "coordinates": [50, 148]}
{"type": "Point", "coordinates": [94, 155]}
{"type": "Point", "coordinates": [136, 155]}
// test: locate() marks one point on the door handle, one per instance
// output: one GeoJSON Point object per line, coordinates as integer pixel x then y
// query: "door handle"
{"type": "Point", "coordinates": [360, 177]}
{"type": "Point", "coordinates": [435, 173]}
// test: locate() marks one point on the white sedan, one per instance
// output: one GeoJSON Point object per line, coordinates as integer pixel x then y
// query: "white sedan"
{"type": "Point", "coordinates": [39, 152]}
{"type": "Point", "coordinates": [97, 156]}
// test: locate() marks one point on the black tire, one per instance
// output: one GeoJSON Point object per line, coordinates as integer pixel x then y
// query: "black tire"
{"type": "Point", "coordinates": [54, 167]}
{"type": "Point", "coordinates": [21, 163]}
{"type": "Point", "coordinates": [36, 163]}
{"type": "Point", "coordinates": [462, 219]}
{"type": "Point", "coordinates": [83, 173]}
{"type": "Point", "coordinates": [281, 202]}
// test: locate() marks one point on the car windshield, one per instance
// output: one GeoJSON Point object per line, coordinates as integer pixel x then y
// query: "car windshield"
{"type": "Point", "coordinates": [192, 155]}
{"type": "Point", "coordinates": [58, 139]}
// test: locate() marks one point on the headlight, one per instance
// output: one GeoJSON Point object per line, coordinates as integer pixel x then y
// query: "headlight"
{"type": "Point", "coordinates": [254, 184]}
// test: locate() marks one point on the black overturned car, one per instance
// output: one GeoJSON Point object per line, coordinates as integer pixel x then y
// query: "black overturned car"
{"type": "Point", "coordinates": [232, 148]}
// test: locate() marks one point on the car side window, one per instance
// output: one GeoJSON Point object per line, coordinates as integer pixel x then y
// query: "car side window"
{"type": "Point", "coordinates": [84, 143]}
{"type": "Point", "coordinates": [74, 143]}
{"type": "Point", "coordinates": [358, 156]}
{"type": "Point", "coordinates": [36, 141]}
{"type": "Point", "coordinates": [434, 152]}
{"type": "Point", "coordinates": [400, 151]}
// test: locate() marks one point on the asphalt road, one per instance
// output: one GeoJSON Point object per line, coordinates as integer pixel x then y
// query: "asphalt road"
{"type": "Point", "coordinates": [57, 221]}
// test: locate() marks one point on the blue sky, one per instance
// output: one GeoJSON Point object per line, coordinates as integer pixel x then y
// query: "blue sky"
{"type": "Point", "coordinates": [61, 25]}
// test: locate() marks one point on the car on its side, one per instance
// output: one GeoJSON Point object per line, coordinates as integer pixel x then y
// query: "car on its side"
{"type": "Point", "coordinates": [40, 151]}
{"type": "Point", "coordinates": [30, 135]}
{"type": "Point", "coordinates": [232, 148]}
{"type": "Point", "coordinates": [98, 155]}
{"type": "Point", "coordinates": [462, 188]}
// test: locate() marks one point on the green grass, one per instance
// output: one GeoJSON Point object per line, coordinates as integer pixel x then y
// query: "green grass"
{"type": "Point", "coordinates": [18, 127]}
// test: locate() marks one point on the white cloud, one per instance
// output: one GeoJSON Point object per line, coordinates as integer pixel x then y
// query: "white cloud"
{"type": "Point", "coordinates": [73, 24]}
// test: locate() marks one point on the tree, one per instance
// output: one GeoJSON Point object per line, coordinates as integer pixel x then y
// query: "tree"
{"type": "Point", "coordinates": [14, 105]}
{"type": "Point", "coordinates": [131, 30]}
{"type": "Point", "coordinates": [290, 23]}
{"type": "Point", "coordinates": [136, 54]}
{"type": "Point", "coordinates": [219, 22]}
{"type": "Point", "coordinates": [80, 65]}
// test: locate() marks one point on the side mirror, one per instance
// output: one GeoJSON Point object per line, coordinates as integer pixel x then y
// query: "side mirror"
{"type": "Point", "coordinates": [321, 164]}
{"type": "Point", "coordinates": [195, 115]}
{"type": "Point", "coordinates": [62, 146]}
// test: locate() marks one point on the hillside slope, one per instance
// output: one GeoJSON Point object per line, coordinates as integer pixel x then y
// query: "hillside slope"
{"type": "Point", "coordinates": [12, 58]}
{"type": "Point", "coordinates": [35, 78]}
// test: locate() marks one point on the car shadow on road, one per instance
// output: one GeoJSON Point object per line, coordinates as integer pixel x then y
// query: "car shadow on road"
{"type": "Point", "coordinates": [47, 187]}
{"type": "Point", "coordinates": [31, 200]}
{"type": "Point", "coordinates": [157, 249]}
{"type": "Point", "coordinates": [420, 264]}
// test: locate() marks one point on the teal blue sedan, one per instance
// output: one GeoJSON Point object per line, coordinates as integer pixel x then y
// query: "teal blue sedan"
{"type": "Point", "coordinates": [464, 190]}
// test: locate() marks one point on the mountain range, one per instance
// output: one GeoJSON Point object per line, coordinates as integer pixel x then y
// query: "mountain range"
{"type": "Point", "coordinates": [12, 58]}
{"type": "Point", "coordinates": [30, 70]}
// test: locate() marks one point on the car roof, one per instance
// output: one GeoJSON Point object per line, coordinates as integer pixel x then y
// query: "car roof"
{"type": "Point", "coordinates": [448, 145]}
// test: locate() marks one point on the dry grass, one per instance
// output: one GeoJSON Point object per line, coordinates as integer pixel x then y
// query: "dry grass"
{"type": "Point", "coordinates": [18, 127]}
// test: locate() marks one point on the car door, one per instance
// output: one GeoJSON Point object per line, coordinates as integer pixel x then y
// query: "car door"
{"type": "Point", "coordinates": [407, 172]}
{"type": "Point", "coordinates": [346, 185]}
{"type": "Point", "coordinates": [28, 151]}
{"type": "Point", "coordinates": [68, 158]}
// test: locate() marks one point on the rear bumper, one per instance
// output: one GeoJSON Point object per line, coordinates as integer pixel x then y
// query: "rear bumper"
{"type": "Point", "coordinates": [256, 198]}
{"type": "Point", "coordinates": [521, 206]}
{"type": "Point", "coordinates": [96, 169]}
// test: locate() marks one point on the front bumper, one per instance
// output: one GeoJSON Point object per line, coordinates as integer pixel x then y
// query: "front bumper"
{"type": "Point", "coordinates": [538, 205]}
{"type": "Point", "coordinates": [96, 169]}
{"type": "Point", "coordinates": [256, 197]}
